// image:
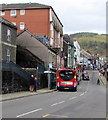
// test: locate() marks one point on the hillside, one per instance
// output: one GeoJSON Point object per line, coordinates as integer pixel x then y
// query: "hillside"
{"type": "Point", "coordinates": [92, 42]}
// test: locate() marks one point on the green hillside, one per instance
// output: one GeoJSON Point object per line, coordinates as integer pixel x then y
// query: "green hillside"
{"type": "Point", "coordinates": [92, 42]}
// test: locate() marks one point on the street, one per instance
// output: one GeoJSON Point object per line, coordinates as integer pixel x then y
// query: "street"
{"type": "Point", "coordinates": [88, 102]}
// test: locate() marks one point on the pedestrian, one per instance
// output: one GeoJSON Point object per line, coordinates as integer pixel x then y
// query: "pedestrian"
{"type": "Point", "coordinates": [98, 82]}
{"type": "Point", "coordinates": [36, 84]}
{"type": "Point", "coordinates": [78, 79]}
{"type": "Point", "coordinates": [31, 82]}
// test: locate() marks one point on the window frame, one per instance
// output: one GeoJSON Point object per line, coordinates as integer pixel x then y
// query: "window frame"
{"type": "Point", "coordinates": [2, 12]}
{"type": "Point", "coordinates": [9, 34]}
{"type": "Point", "coordinates": [13, 12]}
{"type": "Point", "coordinates": [22, 13]}
{"type": "Point", "coordinates": [22, 27]}
{"type": "Point", "coordinates": [8, 55]}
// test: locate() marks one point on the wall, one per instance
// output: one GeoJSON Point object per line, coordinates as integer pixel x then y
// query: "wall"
{"type": "Point", "coordinates": [37, 21]}
{"type": "Point", "coordinates": [77, 53]}
{"type": "Point", "coordinates": [36, 47]}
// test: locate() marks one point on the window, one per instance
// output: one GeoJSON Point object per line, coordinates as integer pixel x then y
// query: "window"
{"type": "Point", "coordinates": [22, 25]}
{"type": "Point", "coordinates": [22, 12]}
{"type": "Point", "coordinates": [2, 12]}
{"type": "Point", "coordinates": [51, 30]}
{"type": "Point", "coordinates": [8, 55]}
{"type": "Point", "coordinates": [8, 34]}
{"type": "Point", "coordinates": [58, 39]}
{"type": "Point", "coordinates": [13, 12]}
{"type": "Point", "coordinates": [51, 41]}
{"type": "Point", "coordinates": [66, 75]}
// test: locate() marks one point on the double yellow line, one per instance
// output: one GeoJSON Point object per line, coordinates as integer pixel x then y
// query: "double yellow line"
{"type": "Point", "coordinates": [53, 115]}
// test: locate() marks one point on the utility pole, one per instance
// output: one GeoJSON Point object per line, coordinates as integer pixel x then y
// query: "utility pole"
{"type": "Point", "coordinates": [49, 85]}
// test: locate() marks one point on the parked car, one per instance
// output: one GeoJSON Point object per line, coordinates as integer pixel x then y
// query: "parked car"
{"type": "Point", "coordinates": [85, 75]}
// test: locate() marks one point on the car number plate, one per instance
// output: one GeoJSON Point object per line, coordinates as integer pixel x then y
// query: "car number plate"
{"type": "Point", "coordinates": [66, 88]}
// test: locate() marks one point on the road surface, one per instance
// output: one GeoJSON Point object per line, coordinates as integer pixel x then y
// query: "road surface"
{"type": "Point", "coordinates": [88, 102]}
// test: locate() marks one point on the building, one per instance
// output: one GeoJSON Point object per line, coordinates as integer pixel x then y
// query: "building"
{"type": "Point", "coordinates": [13, 76]}
{"type": "Point", "coordinates": [8, 40]}
{"type": "Point", "coordinates": [38, 19]}
{"type": "Point", "coordinates": [35, 55]}
{"type": "Point", "coordinates": [37, 45]}
{"type": "Point", "coordinates": [85, 57]}
{"type": "Point", "coordinates": [77, 53]}
{"type": "Point", "coordinates": [68, 49]}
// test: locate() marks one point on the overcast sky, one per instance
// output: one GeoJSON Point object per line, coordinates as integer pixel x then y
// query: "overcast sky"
{"type": "Point", "coordinates": [76, 15]}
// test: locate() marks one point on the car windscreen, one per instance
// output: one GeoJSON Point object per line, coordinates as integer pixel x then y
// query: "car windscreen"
{"type": "Point", "coordinates": [66, 75]}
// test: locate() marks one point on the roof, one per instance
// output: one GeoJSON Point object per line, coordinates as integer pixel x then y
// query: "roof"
{"type": "Point", "coordinates": [23, 6]}
{"type": "Point", "coordinates": [41, 38]}
{"type": "Point", "coordinates": [2, 20]}
{"type": "Point", "coordinates": [28, 40]}
{"type": "Point", "coordinates": [44, 40]}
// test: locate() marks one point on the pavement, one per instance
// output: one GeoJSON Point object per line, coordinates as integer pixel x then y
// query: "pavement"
{"type": "Point", "coordinates": [17, 95]}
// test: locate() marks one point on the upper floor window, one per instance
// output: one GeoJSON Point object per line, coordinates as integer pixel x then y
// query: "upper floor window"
{"type": "Point", "coordinates": [22, 12]}
{"type": "Point", "coordinates": [13, 12]}
{"type": "Point", "coordinates": [51, 41]}
{"type": "Point", "coordinates": [2, 12]}
{"type": "Point", "coordinates": [22, 25]}
{"type": "Point", "coordinates": [8, 54]}
{"type": "Point", "coordinates": [59, 39]}
{"type": "Point", "coordinates": [8, 34]}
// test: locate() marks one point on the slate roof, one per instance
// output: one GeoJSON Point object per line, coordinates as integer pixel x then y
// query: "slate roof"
{"type": "Point", "coordinates": [2, 20]}
{"type": "Point", "coordinates": [42, 38]}
{"type": "Point", "coordinates": [23, 6]}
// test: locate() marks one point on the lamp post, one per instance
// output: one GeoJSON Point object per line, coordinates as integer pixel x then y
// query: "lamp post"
{"type": "Point", "coordinates": [37, 72]}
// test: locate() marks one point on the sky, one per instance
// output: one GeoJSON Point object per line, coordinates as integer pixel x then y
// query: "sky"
{"type": "Point", "coordinates": [76, 15]}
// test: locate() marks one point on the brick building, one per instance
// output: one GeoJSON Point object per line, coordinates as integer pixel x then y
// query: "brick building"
{"type": "Point", "coordinates": [38, 19]}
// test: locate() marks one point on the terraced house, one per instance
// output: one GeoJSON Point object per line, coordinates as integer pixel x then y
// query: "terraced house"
{"type": "Point", "coordinates": [8, 37]}
{"type": "Point", "coordinates": [38, 19]}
